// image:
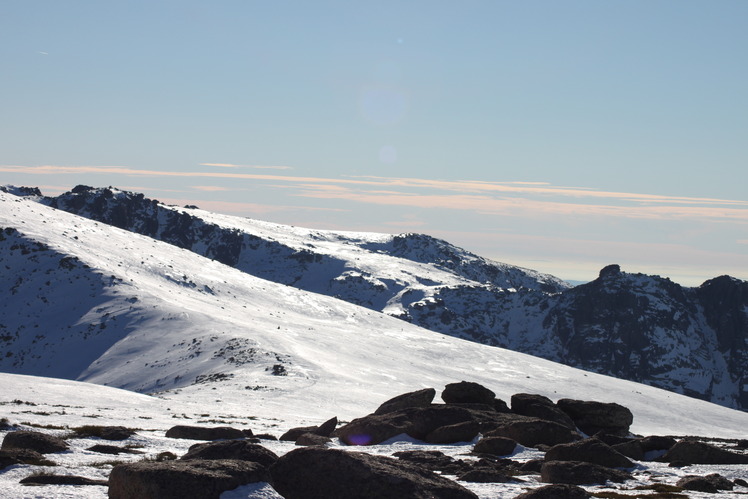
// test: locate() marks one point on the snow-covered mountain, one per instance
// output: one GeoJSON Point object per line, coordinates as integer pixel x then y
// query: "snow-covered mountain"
{"type": "Point", "coordinates": [633, 326]}
{"type": "Point", "coordinates": [92, 302]}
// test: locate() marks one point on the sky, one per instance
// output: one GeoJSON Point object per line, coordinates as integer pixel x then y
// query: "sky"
{"type": "Point", "coordinates": [559, 136]}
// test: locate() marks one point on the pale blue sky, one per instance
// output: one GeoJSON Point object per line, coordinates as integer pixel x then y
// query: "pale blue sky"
{"type": "Point", "coordinates": [558, 135]}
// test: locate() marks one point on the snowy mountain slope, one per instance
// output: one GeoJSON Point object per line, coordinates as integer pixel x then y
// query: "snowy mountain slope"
{"type": "Point", "coordinates": [177, 322]}
{"type": "Point", "coordinates": [642, 328]}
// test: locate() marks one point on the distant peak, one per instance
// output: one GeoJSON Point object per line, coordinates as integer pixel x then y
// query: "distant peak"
{"type": "Point", "coordinates": [610, 270]}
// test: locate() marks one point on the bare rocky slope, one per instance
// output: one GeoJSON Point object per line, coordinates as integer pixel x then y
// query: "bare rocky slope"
{"type": "Point", "coordinates": [633, 326]}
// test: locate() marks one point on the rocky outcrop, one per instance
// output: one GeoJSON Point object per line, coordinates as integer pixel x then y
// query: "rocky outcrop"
{"type": "Point", "coordinates": [688, 452]}
{"type": "Point", "coordinates": [420, 398]}
{"type": "Point", "coordinates": [711, 484]}
{"type": "Point", "coordinates": [592, 417]}
{"type": "Point", "coordinates": [580, 473]}
{"type": "Point", "coordinates": [316, 473]}
{"type": "Point", "coordinates": [239, 450]}
{"type": "Point", "coordinates": [589, 450]}
{"type": "Point", "coordinates": [204, 432]}
{"type": "Point", "coordinates": [532, 432]}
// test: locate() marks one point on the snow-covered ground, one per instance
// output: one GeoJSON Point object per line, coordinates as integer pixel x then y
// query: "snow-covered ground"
{"type": "Point", "coordinates": [207, 338]}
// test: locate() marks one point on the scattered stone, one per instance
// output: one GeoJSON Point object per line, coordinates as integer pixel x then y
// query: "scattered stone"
{"type": "Point", "coordinates": [590, 450]}
{"type": "Point", "coordinates": [580, 473]}
{"type": "Point", "coordinates": [538, 406]}
{"type": "Point", "coordinates": [497, 446]}
{"type": "Point", "coordinates": [198, 478]}
{"type": "Point", "coordinates": [694, 452]}
{"type": "Point", "coordinates": [711, 483]}
{"type": "Point", "coordinates": [34, 440]}
{"type": "Point", "coordinates": [533, 432]}
{"type": "Point", "coordinates": [318, 473]}
{"type": "Point", "coordinates": [420, 398]}
{"type": "Point", "coordinates": [9, 457]}
{"type": "Point", "coordinates": [112, 449]}
{"type": "Point", "coordinates": [592, 417]}
{"type": "Point", "coordinates": [467, 392]}
{"type": "Point", "coordinates": [113, 433]}
{"type": "Point", "coordinates": [45, 479]}
{"type": "Point", "coordinates": [238, 450]}
{"type": "Point", "coordinates": [556, 491]}
{"type": "Point", "coordinates": [204, 432]}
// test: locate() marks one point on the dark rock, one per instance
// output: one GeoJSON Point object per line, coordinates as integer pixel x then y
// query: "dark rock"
{"type": "Point", "coordinates": [265, 436]}
{"type": "Point", "coordinates": [740, 482]}
{"type": "Point", "coordinates": [592, 417]}
{"type": "Point", "coordinates": [711, 483]}
{"type": "Point", "coordinates": [654, 443]}
{"type": "Point", "coordinates": [114, 433]}
{"type": "Point", "coordinates": [204, 432]}
{"type": "Point", "coordinates": [590, 450]}
{"type": "Point", "coordinates": [538, 406]}
{"type": "Point", "coordinates": [238, 450]}
{"type": "Point", "coordinates": [317, 473]}
{"type": "Point", "coordinates": [532, 432]}
{"type": "Point", "coordinates": [695, 452]}
{"type": "Point", "coordinates": [611, 439]}
{"type": "Point", "coordinates": [434, 460]}
{"type": "Point", "coordinates": [416, 422]}
{"type": "Point", "coordinates": [420, 398]}
{"type": "Point", "coordinates": [532, 466]}
{"type": "Point", "coordinates": [34, 440]}
{"type": "Point", "coordinates": [112, 449]}
{"type": "Point", "coordinates": [742, 443]}
{"type": "Point", "coordinates": [497, 446]}
{"type": "Point", "coordinates": [325, 429]}
{"type": "Point", "coordinates": [193, 479]}
{"type": "Point", "coordinates": [556, 491]}
{"type": "Point", "coordinates": [484, 476]}
{"type": "Point", "coordinates": [450, 434]}
{"type": "Point", "coordinates": [632, 449]}
{"type": "Point", "coordinates": [580, 473]}
{"type": "Point", "coordinates": [467, 392]}
{"type": "Point", "coordinates": [45, 479]}
{"type": "Point", "coordinates": [312, 439]}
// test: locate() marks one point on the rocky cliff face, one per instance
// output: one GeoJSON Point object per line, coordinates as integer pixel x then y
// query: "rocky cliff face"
{"type": "Point", "coordinates": [633, 326]}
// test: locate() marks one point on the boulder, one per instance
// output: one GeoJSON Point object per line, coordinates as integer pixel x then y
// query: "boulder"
{"type": "Point", "coordinates": [592, 417]}
{"type": "Point", "coordinates": [113, 433]}
{"type": "Point", "coordinates": [496, 446]}
{"type": "Point", "coordinates": [556, 491]}
{"type": "Point", "coordinates": [239, 450]}
{"type": "Point", "coordinates": [467, 392]}
{"type": "Point", "coordinates": [112, 449]}
{"type": "Point", "coordinates": [710, 483]}
{"type": "Point", "coordinates": [193, 479]}
{"type": "Point", "coordinates": [632, 449]}
{"type": "Point", "coordinates": [9, 457]}
{"type": "Point", "coordinates": [434, 460]}
{"type": "Point", "coordinates": [420, 398]}
{"type": "Point", "coordinates": [416, 422]}
{"type": "Point", "coordinates": [450, 434]}
{"type": "Point", "coordinates": [580, 473]}
{"type": "Point", "coordinates": [655, 443]}
{"type": "Point", "coordinates": [34, 440]}
{"type": "Point", "coordinates": [318, 473]}
{"type": "Point", "coordinates": [590, 450]}
{"type": "Point", "coordinates": [533, 432]}
{"type": "Point", "coordinates": [325, 429]}
{"type": "Point", "coordinates": [538, 406]}
{"type": "Point", "coordinates": [695, 452]}
{"type": "Point", "coordinates": [312, 439]}
{"type": "Point", "coordinates": [484, 476]}
{"type": "Point", "coordinates": [204, 432]}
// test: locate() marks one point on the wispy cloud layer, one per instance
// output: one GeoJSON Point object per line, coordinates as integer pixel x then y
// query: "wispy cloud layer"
{"type": "Point", "coordinates": [257, 167]}
{"type": "Point", "coordinates": [499, 198]}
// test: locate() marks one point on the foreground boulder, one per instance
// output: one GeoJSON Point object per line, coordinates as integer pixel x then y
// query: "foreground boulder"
{"type": "Point", "coordinates": [556, 491]}
{"type": "Point", "coordinates": [496, 446]}
{"type": "Point", "coordinates": [204, 432]}
{"type": "Point", "coordinates": [695, 452]}
{"type": "Point", "coordinates": [194, 479]}
{"type": "Point", "coordinates": [420, 398]}
{"type": "Point", "coordinates": [580, 473]}
{"type": "Point", "coordinates": [241, 450]}
{"type": "Point", "coordinates": [593, 417]}
{"type": "Point", "coordinates": [590, 450]}
{"type": "Point", "coordinates": [34, 440]}
{"type": "Point", "coordinates": [317, 473]}
{"type": "Point", "coordinates": [324, 430]}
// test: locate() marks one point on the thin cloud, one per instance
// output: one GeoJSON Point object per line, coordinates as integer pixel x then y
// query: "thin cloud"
{"type": "Point", "coordinates": [210, 188]}
{"type": "Point", "coordinates": [257, 167]}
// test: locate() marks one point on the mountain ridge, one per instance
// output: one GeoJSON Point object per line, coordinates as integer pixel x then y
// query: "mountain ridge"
{"type": "Point", "coordinates": [644, 328]}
